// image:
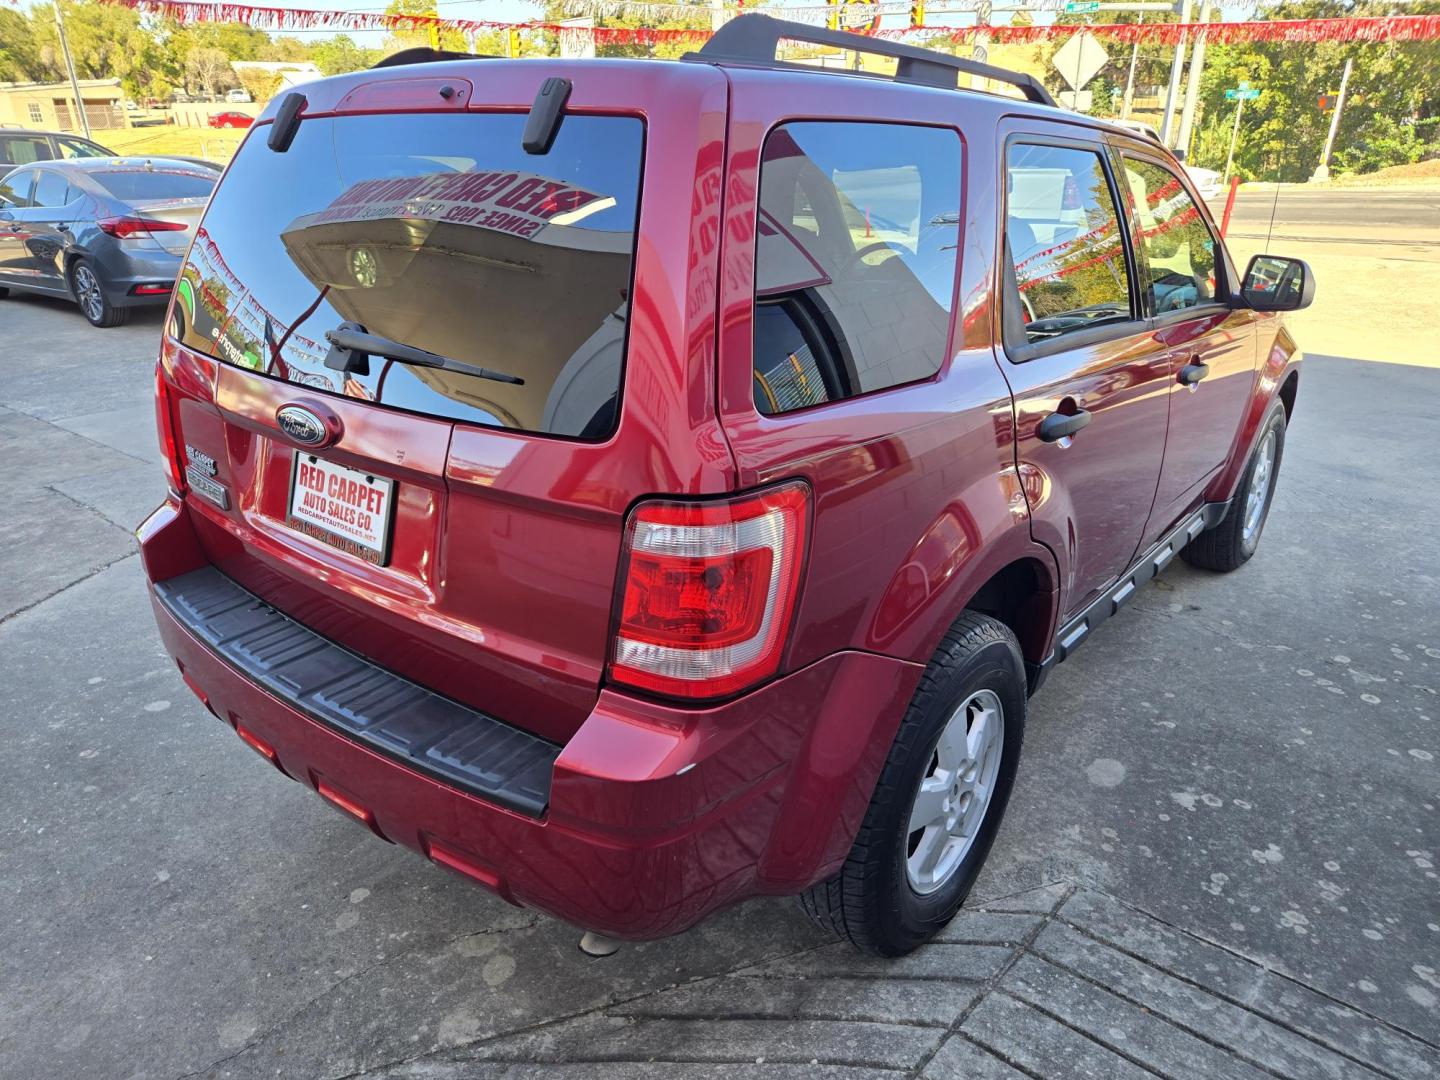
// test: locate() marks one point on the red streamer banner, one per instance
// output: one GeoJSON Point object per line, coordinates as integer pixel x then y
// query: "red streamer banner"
{"type": "Point", "coordinates": [1390, 28]}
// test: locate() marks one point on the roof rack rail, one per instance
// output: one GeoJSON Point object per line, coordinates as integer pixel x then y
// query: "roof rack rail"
{"type": "Point", "coordinates": [423, 54]}
{"type": "Point", "coordinates": [754, 38]}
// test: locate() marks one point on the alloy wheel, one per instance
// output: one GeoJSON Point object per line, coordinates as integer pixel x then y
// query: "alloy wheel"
{"type": "Point", "coordinates": [87, 292]}
{"type": "Point", "coordinates": [955, 792]}
{"type": "Point", "coordinates": [1259, 491]}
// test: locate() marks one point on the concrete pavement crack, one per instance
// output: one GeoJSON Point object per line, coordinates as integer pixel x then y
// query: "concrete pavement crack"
{"type": "Point", "coordinates": [300, 1009]}
{"type": "Point", "coordinates": [65, 588]}
{"type": "Point", "coordinates": [540, 1025]}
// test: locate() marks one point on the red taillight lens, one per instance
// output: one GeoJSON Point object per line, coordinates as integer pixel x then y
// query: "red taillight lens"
{"type": "Point", "coordinates": [165, 427]}
{"type": "Point", "coordinates": [122, 228]}
{"type": "Point", "coordinates": [709, 591]}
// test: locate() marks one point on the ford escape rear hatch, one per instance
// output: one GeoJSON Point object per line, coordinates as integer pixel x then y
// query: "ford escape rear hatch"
{"type": "Point", "coordinates": [362, 291]}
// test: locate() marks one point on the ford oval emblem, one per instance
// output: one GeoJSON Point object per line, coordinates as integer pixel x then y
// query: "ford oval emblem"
{"type": "Point", "coordinates": [302, 425]}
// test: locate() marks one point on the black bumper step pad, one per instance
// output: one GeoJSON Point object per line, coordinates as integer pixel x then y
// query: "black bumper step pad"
{"type": "Point", "coordinates": [331, 684]}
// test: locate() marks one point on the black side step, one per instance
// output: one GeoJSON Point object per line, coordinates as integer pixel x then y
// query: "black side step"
{"type": "Point", "coordinates": [371, 705]}
{"type": "Point", "coordinates": [1078, 629]}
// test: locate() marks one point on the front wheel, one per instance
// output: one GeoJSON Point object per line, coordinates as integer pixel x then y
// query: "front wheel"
{"type": "Point", "coordinates": [1230, 543]}
{"type": "Point", "coordinates": [91, 299]}
{"type": "Point", "coordinates": [939, 799]}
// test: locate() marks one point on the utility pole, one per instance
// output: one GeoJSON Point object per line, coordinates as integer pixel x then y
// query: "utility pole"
{"type": "Point", "coordinates": [1130, 77]}
{"type": "Point", "coordinates": [1176, 67]}
{"type": "Point", "coordinates": [1192, 86]}
{"type": "Point", "coordinates": [70, 67]}
{"type": "Point", "coordinates": [983, 14]}
{"type": "Point", "coordinates": [1322, 172]}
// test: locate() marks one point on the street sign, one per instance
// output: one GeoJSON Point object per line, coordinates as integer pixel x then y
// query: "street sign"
{"type": "Point", "coordinates": [1072, 6]}
{"type": "Point", "coordinates": [1080, 59]}
{"type": "Point", "coordinates": [1079, 100]}
{"type": "Point", "coordinates": [1243, 92]}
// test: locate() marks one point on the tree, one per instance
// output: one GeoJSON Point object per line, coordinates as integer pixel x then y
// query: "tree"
{"type": "Point", "coordinates": [340, 54]}
{"type": "Point", "coordinates": [700, 20]}
{"type": "Point", "coordinates": [1389, 117]}
{"type": "Point", "coordinates": [449, 40]}
{"type": "Point", "coordinates": [259, 84]}
{"type": "Point", "coordinates": [19, 56]}
{"type": "Point", "coordinates": [208, 71]}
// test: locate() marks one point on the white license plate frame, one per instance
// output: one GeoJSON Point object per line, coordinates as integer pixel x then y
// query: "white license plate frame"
{"type": "Point", "coordinates": [370, 544]}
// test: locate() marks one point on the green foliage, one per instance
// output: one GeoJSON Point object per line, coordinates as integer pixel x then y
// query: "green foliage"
{"type": "Point", "coordinates": [1394, 90]}
{"type": "Point", "coordinates": [340, 54]}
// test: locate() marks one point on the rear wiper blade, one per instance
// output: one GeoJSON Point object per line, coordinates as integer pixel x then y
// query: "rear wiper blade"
{"type": "Point", "coordinates": [352, 347]}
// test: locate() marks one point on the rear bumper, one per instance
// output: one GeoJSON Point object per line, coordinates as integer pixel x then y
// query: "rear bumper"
{"type": "Point", "coordinates": [122, 272]}
{"type": "Point", "coordinates": [657, 816]}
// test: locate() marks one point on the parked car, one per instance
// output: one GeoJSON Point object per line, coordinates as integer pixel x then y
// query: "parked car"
{"type": "Point", "coordinates": [230, 120]}
{"type": "Point", "coordinates": [239, 96]}
{"type": "Point", "coordinates": [636, 516]}
{"type": "Point", "coordinates": [20, 146]}
{"type": "Point", "coordinates": [109, 233]}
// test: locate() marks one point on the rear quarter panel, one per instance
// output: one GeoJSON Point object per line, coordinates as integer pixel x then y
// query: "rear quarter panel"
{"type": "Point", "coordinates": [917, 498]}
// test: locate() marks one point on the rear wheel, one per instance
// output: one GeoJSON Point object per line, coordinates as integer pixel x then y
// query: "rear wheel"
{"type": "Point", "coordinates": [90, 296]}
{"type": "Point", "coordinates": [939, 799]}
{"type": "Point", "coordinates": [1230, 544]}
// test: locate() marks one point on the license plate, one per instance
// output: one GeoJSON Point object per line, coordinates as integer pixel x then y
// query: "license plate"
{"type": "Point", "coordinates": [347, 508]}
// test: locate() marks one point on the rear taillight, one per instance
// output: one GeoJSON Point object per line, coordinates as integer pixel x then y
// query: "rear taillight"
{"type": "Point", "coordinates": [122, 228]}
{"type": "Point", "coordinates": [709, 591]}
{"type": "Point", "coordinates": [165, 427]}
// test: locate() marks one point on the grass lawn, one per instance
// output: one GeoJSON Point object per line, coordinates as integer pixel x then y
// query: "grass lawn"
{"type": "Point", "coordinates": [215, 144]}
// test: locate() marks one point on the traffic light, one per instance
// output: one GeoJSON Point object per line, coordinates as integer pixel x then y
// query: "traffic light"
{"type": "Point", "coordinates": [512, 43]}
{"type": "Point", "coordinates": [917, 13]}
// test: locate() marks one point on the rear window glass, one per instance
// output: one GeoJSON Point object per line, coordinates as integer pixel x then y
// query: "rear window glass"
{"type": "Point", "coordinates": [855, 259]}
{"type": "Point", "coordinates": [135, 185]}
{"type": "Point", "coordinates": [439, 233]}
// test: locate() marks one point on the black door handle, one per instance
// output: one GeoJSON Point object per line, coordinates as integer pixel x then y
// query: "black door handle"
{"type": "Point", "coordinates": [1057, 426]}
{"type": "Point", "coordinates": [62, 226]}
{"type": "Point", "coordinates": [1192, 373]}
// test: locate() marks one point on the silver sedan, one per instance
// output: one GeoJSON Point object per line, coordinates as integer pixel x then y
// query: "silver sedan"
{"type": "Point", "coordinates": [108, 233]}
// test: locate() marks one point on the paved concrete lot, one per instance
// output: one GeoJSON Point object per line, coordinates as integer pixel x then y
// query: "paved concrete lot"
{"type": "Point", "coordinates": [1220, 858]}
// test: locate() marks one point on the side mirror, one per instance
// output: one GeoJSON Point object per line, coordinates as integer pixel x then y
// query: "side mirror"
{"type": "Point", "coordinates": [1275, 283]}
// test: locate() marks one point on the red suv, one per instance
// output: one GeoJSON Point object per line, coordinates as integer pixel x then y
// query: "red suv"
{"type": "Point", "coordinates": [639, 486]}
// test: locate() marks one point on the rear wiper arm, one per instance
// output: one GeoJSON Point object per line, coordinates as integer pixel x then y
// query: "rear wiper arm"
{"type": "Point", "coordinates": [352, 346]}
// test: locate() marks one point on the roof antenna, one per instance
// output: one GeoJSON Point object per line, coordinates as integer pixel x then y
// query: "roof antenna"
{"type": "Point", "coordinates": [287, 122]}
{"type": "Point", "coordinates": [543, 123]}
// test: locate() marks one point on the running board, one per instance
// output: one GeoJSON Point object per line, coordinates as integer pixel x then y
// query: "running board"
{"type": "Point", "coordinates": [1079, 629]}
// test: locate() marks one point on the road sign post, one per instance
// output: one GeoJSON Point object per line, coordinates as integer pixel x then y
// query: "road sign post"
{"type": "Point", "coordinates": [1239, 94]}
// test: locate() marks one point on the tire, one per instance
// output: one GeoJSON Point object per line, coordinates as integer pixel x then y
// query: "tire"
{"type": "Point", "coordinates": [1229, 544]}
{"type": "Point", "coordinates": [89, 292]}
{"type": "Point", "coordinates": [875, 900]}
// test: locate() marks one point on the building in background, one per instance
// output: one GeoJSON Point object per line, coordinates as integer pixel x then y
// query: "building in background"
{"type": "Point", "coordinates": [51, 106]}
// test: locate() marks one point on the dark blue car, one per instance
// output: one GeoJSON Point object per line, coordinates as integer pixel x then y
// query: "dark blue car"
{"type": "Point", "coordinates": [109, 233]}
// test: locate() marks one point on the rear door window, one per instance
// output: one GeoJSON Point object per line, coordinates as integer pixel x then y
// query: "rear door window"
{"type": "Point", "coordinates": [79, 148]}
{"type": "Point", "coordinates": [23, 149]}
{"type": "Point", "coordinates": [855, 259]}
{"type": "Point", "coordinates": [438, 232]}
{"type": "Point", "coordinates": [51, 189]}
{"type": "Point", "coordinates": [1065, 240]}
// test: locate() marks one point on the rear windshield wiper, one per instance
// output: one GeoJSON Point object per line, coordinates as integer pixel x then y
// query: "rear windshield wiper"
{"type": "Point", "coordinates": [352, 347]}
